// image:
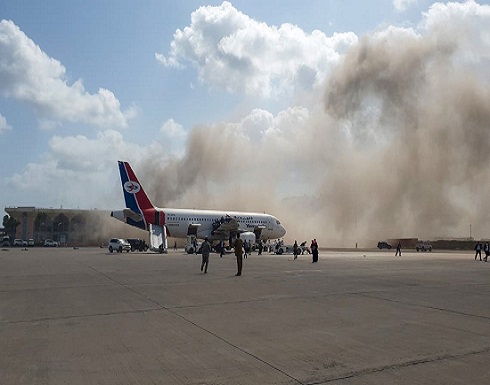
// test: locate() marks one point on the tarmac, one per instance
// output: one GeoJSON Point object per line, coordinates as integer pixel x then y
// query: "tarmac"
{"type": "Point", "coordinates": [85, 316]}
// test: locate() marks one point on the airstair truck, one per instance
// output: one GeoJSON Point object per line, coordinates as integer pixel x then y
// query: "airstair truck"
{"type": "Point", "coordinates": [158, 239]}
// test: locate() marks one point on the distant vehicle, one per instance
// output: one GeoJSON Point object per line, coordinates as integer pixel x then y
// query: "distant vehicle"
{"type": "Point", "coordinates": [50, 243]}
{"type": "Point", "coordinates": [118, 245]}
{"type": "Point", "coordinates": [24, 243]}
{"type": "Point", "coordinates": [30, 242]}
{"type": "Point", "coordinates": [384, 245]}
{"type": "Point", "coordinates": [6, 241]}
{"type": "Point", "coordinates": [423, 246]}
{"type": "Point", "coordinates": [137, 244]}
{"type": "Point", "coordinates": [283, 249]}
{"type": "Point", "coordinates": [18, 242]}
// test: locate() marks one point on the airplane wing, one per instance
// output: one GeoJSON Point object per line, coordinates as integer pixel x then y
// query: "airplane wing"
{"type": "Point", "coordinates": [225, 225]}
{"type": "Point", "coordinates": [128, 213]}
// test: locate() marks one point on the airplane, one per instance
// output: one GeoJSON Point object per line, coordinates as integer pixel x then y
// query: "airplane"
{"type": "Point", "coordinates": [188, 224]}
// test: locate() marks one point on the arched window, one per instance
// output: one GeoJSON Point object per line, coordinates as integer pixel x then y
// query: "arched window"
{"type": "Point", "coordinates": [60, 223]}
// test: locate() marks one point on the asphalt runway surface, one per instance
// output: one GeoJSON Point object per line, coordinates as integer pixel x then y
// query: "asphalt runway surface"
{"type": "Point", "coordinates": [85, 316]}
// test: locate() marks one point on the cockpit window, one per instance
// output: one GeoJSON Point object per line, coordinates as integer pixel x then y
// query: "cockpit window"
{"type": "Point", "coordinates": [278, 223]}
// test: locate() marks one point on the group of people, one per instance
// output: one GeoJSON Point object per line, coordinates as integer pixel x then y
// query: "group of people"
{"type": "Point", "coordinates": [297, 250]}
{"type": "Point", "coordinates": [478, 249]}
{"type": "Point", "coordinates": [240, 247]}
{"type": "Point", "coordinates": [239, 252]}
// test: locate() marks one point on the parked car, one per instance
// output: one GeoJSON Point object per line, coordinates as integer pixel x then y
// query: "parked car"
{"type": "Point", "coordinates": [30, 242]}
{"type": "Point", "coordinates": [118, 245]}
{"type": "Point", "coordinates": [50, 243]}
{"type": "Point", "coordinates": [137, 244]}
{"type": "Point", "coordinates": [423, 246]}
{"type": "Point", "coordinates": [384, 245]}
{"type": "Point", "coordinates": [18, 242]}
{"type": "Point", "coordinates": [283, 249]}
{"type": "Point", "coordinates": [6, 241]}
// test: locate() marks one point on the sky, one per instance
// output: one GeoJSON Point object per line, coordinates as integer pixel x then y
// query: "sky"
{"type": "Point", "coordinates": [348, 120]}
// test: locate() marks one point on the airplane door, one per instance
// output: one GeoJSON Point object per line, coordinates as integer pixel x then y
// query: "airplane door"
{"type": "Point", "coordinates": [159, 218]}
{"type": "Point", "coordinates": [192, 230]}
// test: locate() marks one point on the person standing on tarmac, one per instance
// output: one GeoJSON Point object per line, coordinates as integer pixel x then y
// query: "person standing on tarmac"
{"type": "Point", "coordinates": [221, 248]}
{"type": "Point", "coordinates": [205, 249]}
{"type": "Point", "coordinates": [398, 249]}
{"type": "Point", "coordinates": [245, 249]}
{"type": "Point", "coordinates": [239, 254]}
{"type": "Point", "coordinates": [295, 250]}
{"type": "Point", "coordinates": [478, 250]}
{"type": "Point", "coordinates": [314, 250]}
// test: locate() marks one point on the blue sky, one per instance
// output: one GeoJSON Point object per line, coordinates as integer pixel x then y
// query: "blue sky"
{"type": "Point", "coordinates": [83, 84]}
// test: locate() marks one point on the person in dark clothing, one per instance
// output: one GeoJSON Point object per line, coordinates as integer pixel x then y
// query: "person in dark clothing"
{"type": "Point", "coordinates": [398, 249]}
{"type": "Point", "coordinates": [205, 249]}
{"type": "Point", "coordinates": [314, 250]}
{"type": "Point", "coordinates": [246, 249]}
{"type": "Point", "coordinates": [221, 248]}
{"type": "Point", "coordinates": [295, 250]}
{"type": "Point", "coordinates": [478, 250]}
{"type": "Point", "coordinates": [239, 254]}
{"type": "Point", "coordinates": [194, 244]}
{"type": "Point", "coordinates": [486, 249]}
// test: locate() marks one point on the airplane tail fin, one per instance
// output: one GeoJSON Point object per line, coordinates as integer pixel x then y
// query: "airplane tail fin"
{"type": "Point", "coordinates": [139, 211]}
{"type": "Point", "coordinates": [134, 195]}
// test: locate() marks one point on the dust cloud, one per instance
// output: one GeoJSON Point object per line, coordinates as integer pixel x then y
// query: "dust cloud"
{"type": "Point", "coordinates": [421, 163]}
{"type": "Point", "coordinates": [106, 228]}
{"type": "Point", "coordinates": [394, 145]}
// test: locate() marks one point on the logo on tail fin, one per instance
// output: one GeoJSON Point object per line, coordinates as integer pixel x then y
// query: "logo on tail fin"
{"type": "Point", "coordinates": [132, 187]}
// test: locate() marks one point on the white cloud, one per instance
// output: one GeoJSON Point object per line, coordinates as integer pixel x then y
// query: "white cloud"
{"type": "Point", "coordinates": [173, 129]}
{"type": "Point", "coordinates": [29, 74]}
{"type": "Point", "coordinates": [232, 51]}
{"type": "Point", "coordinates": [403, 5]}
{"type": "Point", "coordinates": [4, 126]}
{"type": "Point", "coordinates": [79, 171]}
{"type": "Point", "coordinates": [461, 25]}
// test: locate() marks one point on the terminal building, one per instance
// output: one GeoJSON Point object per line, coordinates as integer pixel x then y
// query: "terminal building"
{"type": "Point", "coordinates": [70, 227]}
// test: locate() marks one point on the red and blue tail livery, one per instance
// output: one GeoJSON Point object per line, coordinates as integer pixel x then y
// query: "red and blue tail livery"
{"type": "Point", "coordinates": [139, 211]}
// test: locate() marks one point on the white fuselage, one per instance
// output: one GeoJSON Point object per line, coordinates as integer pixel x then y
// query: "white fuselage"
{"type": "Point", "coordinates": [179, 221]}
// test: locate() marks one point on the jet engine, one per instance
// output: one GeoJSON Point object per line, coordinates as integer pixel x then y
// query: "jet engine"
{"type": "Point", "coordinates": [248, 236]}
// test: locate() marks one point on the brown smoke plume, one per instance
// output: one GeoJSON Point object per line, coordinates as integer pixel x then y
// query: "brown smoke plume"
{"type": "Point", "coordinates": [430, 175]}
{"type": "Point", "coordinates": [398, 149]}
